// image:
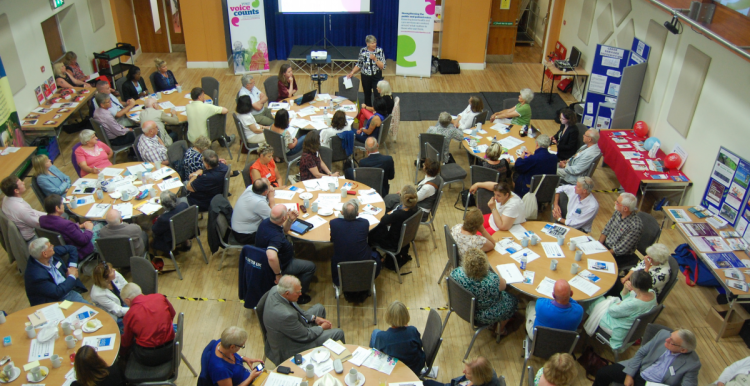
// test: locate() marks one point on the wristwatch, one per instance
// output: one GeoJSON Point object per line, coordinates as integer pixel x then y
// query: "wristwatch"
{"type": "Point", "coordinates": [313, 318]}
{"type": "Point", "coordinates": [559, 219]}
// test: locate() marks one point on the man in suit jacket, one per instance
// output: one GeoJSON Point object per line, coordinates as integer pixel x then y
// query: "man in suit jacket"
{"type": "Point", "coordinates": [527, 166]}
{"type": "Point", "coordinates": [47, 278]}
{"type": "Point", "coordinates": [376, 160]}
{"type": "Point", "coordinates": [289, 329]}
{"type": "Point", "coordinates": [668, 358]}
{"type": "Point", "coordinates": [578, 165]}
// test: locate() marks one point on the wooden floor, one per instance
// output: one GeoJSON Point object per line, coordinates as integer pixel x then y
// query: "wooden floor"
{"type": "Point", "coordinates": [686, 307]}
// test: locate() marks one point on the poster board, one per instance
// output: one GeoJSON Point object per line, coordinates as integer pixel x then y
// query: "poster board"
{"type": "Point", "coordinates": [727, 190]}
{"type": "Point", "coordinates": [415, 33]}
{"type": "Point", "coordinates": [8, 114]}
{"type": "Point", "coordinates": [247, 29]}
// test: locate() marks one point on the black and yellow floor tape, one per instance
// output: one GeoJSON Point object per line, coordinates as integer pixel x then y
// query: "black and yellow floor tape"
{"type": "Point", "coordinates": [606, 191]}
{"type": "Point", "coordinates": [242, 301]}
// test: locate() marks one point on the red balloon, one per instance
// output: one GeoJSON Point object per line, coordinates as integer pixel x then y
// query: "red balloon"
{"type": "Point", "coordinates": [641, 129]}
{"type": "Point", "coordinates": [672, 161]}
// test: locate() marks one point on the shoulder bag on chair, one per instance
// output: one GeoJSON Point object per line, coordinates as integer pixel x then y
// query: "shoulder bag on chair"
{"type": "Point", "coordinates": [531, 208]}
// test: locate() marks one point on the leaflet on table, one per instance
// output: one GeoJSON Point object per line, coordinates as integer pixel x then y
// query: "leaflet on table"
{"type": "Point", "coordinates": [41, 350]}
{"type": "Point", "coordinates": [135, 169]}
{"type": "Point", "coordinates": [630, 154]}
{"type": "Point", "coordinates": [546, 287]}
{"type": "Point", "coordinates": [584, 285]}
{"type": "Point", "coordinates": [586, 274]}
{"type": "Point", "coordinates": [680, 215]}
{"type": "Point", "coordinates": [530, 255]}
{"type": "Point", "coordinates": [318, 125]}
{"type": "Point", "coordinates": [555, 230]}
{"type": "Point", "coordinates": [276, 379]}
{"type": "Point", "coordinates": [710, 244]}
{"type": "Point", "coordinates": [369, 199]}
{"type": "Point", "coordinates": [300, 123]}
{"type": "Point", "coordinates": [581, 239]}
{"type": "Point", "coordinates": [311, 185]}
{"type": "Point", "coordinates": [328, 199]}
{"type": "Point", "coordinates": [510, 142]}
{"type": "Point", "coordinates": [518, 231]}
{"type": "Point", "coordinates": [9, 149]}
{"type": "Point", "coordinates": [320, 368]}
{"type": "Point", "coordinates": [85, 200]}
{"type": "Point", "coordinates": [111, 172]}
{"type": "Point", "coordinates": [507, 245]}
{"type": "Point", "coordinates": [381, 362]}
{"type": "Point", "coordinates": [592, 247]}
{"type": "Point", "coordinates": [278, 105]}
{"type": "Point", "coordinates": [320, 118]}
{"type": "Point", "coordinates": [480, 148]}
{"type": "Point", "coordinates": [166, 105]}
{"type": "Point", "coordinates": [698, 229]}
{"type": "Point", "coordinates": [83, 314]}
{"type": "Point", "coordinates": [325, 180]}
{"type": "Point", "coordinates": [502, 128]}
{"type": "Point", "coordinates": [316, 221]}
{"type": "Point", "coordinates": [283, 194]}
{"type": "Point", "coordinates": [716, 222]}
{"type": "Point", "coordinates": [100, 342]}
{"type": "Point", "coordinates": [149, 208]}
{"type": "Point", "coordinates": [528, 277]}
{"type": "Point", "coordinates": [724, 260]}
{"type": "Point", "coordinates": [125, 209]}
{"type": "Point", "coordinates": [740, 285]}
{"type": "Point", "coordinates": [50, 314]}
{"type": "Point", "coordinates": [734, 273]}
{"type": "Point", "coordinates": [368, 209]}
{"type": "Point", "coordinates": [161, 173]}
{"type": "Point", "coordinates": [370, 218]}
{"type": "Point", "coordinates": [553, 251]}
{"type": "Point", "coordinates": [601, 266]}
{"type": "Point", "coordinates": [170, 184]}
{"type": "Point", "coordinates": [97, 210]}
{"type": "Point", "coordinates": [737, 244]}
{"type": "Point", "coordinates": [360, 355]}
{"type": "Point", "coordinates": [348, 109]}
{"type": "Point", "coordinates": [510, 273]}
{"type": "Point", "coordinates": [334, 346]}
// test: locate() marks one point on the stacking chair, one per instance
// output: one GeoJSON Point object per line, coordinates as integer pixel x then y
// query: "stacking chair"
{"type": "Point", "coordinates": [634, 333]}
{"type": "Point", "coordinates": [223, 227]}
{"type": "Point", "coordinates": [408, 234]}
{"type": "Point", "coordinates": [144, 274]}
{"type": "Point", "coordinates": [326, 155]}
{"type": "Point", "coordinates": [227, 177]}
{"type": "Point", "coordinates": [481, 174]}
{"type": "Point", "coordinates": [651, 330]}
{"type": "Point", "coordinates": [674, 267]}
{"type": "Point", "coordinates": [103, 137]}
{"type": "Point", "coordinates": [592, 167]}
{"type": "Point", "coordinates": [546, 342]}
{"type": "Point", "coordinates": [337, 149]}
{"type": "Point", "coordinates": [509, 102]}
{"type": "Point", "coordinates": [259, 314]}
{"type": "Point", "coordinates": [531, 377]}
{"type": "Point", "coordinates": [217, 131]}
{"type": "Point", "coordinates": [649, 234]}
{"type": "Point", "coordinates": [357, 276]}
{"type": "Point", "coordinates": [246, 178]}
{"type": "Point", "coordinates": [385, 126]}
{"type": "Point", "coordinates": [152, 78]}
{"type": "Point", "coordinates": [37, 190]}
{"type": "Point", "coordinates": [279, 150]}
{"type": "Point", "coordinates": [210, 86]}
{"type": "Point", "coordinates": [433, 213]}
{"type": "Point", "coordinates": [15, 245]}
{"type": "Point", "coordinates": [176, 151]}
{"type": "Point", "coordinates": [117, 250]}
{"type": "Point", "coordinates": [451, 173]}
{"type": "Point", "coordinates": [241, 132]}
{"type": "Point", "coordinates": [563, 207]}
{"type": "Point", "coordinates": [119, 83]}
{"type": "Point", "coordinates": [431, 153]}
{"type": "Point", "coordinates": [482, 197]}
{"type": "Point", "coordinates": [54, 238]}
{"type": "Point", "coordinates": [480, 118]}
{"type": "Point", "coordinates": [463, 303]}
{"type": "Point", "coordinates": [431, 340]}
{"type": "Point", "coordinates": [546, 192]}
{"type": "Point", "coordinates": [184, 227]}
{"type": "Point", "coordinates": [351, 94]}
{"type": "Point", "coordinates": [271, 85]}
{"type": "Point", "coordinates": [135, 148]}
{"type": "Point", "coordinates": [372, 177]}
{"type": "Point", "coordinates": [436, 140]}
{"type": "Point", "coordinates": [452, 248]}
{"type": "Point", "coordinates": [581, 132]}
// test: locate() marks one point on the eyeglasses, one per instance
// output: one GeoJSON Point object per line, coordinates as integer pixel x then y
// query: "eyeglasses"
{"type": "Point", "coordinates": [669, 340]}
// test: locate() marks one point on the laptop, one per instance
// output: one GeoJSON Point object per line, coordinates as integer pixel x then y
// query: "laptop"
{"type": "Point", "coordinates": [572, 62]}
{"type": "Point", "coordinates": [308, 97]}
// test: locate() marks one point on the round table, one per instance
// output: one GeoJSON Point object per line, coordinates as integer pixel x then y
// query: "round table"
{"type": "Point", "coordinates": [317, 104]}
{"type": "Point", "coordinates": [323, 232]}
{"type": "Point", "coordinates": [486, 139]}
{"type": "Point", "coordinates": [176, 98]}
{"type": "Point", "coordinates": [19, 350]}
{"type": "Point", "coordinates": [82, 210]}
{"type": "Point", "coordinates": [400, 373]}
{"type": "Point", "coordinates": [541, 266]}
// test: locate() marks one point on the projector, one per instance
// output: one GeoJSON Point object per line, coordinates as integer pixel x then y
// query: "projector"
{"type": "Point", "coordinates": [319, 55]}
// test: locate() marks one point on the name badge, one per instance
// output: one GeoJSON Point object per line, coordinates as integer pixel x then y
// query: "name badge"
{"type": "Point", "coordinates": [671, 370]}
{"type": "Point", "coordinates": [58, 265]}
{"type": "Point", "coordinates": [268, 175]}
{"type": "Point", "coordinates": [578, 211]}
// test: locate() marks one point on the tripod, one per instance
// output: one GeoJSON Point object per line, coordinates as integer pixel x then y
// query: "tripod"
{"type": "Point", "coordinates": [325, 40]}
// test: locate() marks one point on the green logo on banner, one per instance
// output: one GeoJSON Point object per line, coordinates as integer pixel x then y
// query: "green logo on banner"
{"type": "Point", "coordinates": [256, 3]}
{"type": "Point", "coordinates": [406, 47]}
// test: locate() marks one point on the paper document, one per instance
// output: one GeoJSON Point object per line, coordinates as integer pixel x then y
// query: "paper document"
{"type": "Point", "coordinates": [92, 76]}
{"type": "Point", "coordinates": [510, 142]}
{"type": "Point", "coordinates": [584, 285]}
{"type": "Point", "coordinates": [505, 246]}
{"type": "Point", "coordinates": [325, 180]}
{"type": "Point", "coordinates": [586, 274]}
{"type": "Point", "coordinates": [276, 379]}
{"type": "Point", "coordinates": [380, 361]}
{"type": "Point", "coordinates": [370, 218]}
{"type": "Point", "coordinates": [161, 173]}
{"type": "Point", "coordinates": [680, 215]}
{"type": "Point", "coordinates": [85, 200]}
{"type": "Point", "coordinates": [126, 210]}
{"type": "Point", "coordinates": [320, 368]}
{"type": "Point", "coordinates": [370, 199]}
{"type": "Point", "coordinates": [300, 123]}
{"type": "Point", "coordinates": [100, 342]}
{"type": "Point", "coordinates": [283, 194]}
{"type": "Point", "coordinates": [316, 221]}
{"type": "Point", "coordinates": [166, 105]}
{"type": "Point", "coordinates": [149, 208]}
{"type": "Point", "coordinates": [98, 210]}
{"type": "Point", "coordinates": [592, 247]}
{"type": "Point", "coordinates": [52, 314]}
{"type": "Point", "coordinates": [502, 128]}
{"type": "Point", "coordinates": [135, 169]}
{"type": "Point", "coordinates": [518, 231]}
{"type": "Point", "coordinates": [601, 266]}
{"type": "Point", "coordinates": [510, 273]}
{"type": "Point", "coordinates": [555, 230]}
{"type": "Point", "coordinates": [111, 172]}
{"type": "Point", "coordinates": [170, 184]}
{"type": "Point", "coordinates": [530, 255]}
{"type": "Point", "coordinates": [328, 199]}
{"type": "Point", "coordinates": [83, 314]}
{"type": "Point", "coordinates": [348, 83]}
{"type": "Point", "coordinates": [553, 251]}
{"type": "Point", "coordinates": [334, 346]}
{"type": "Point", "coordinates": [39, 350]}
{"type": "Point", "coordinates": [710, 244]}
{"type": "Point", "coordinates": [360, 355]}
{"type": "Point", "coordinates": [581, 239]}
{"type": "Point", "coordinates": [278, 105]}
{"type": "Point", "coordinates": [546, 287]}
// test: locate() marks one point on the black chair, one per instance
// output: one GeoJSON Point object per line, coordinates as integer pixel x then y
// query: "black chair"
{"type": "Point", "coordinates": [15, 246]}
{"type": "Point", "coordinates": [563, 207]}
{"type": "Point", "coordinates": [509, 102]}
{"type": "Point", "coordinates": [135, 148]}
{"type": "Point", "coordinates": [271, 84]}
{"type": "Point", "coordinates": [480, 118]}
{"type": "Point", "coordinates": [210, 86]}
{"type": "Point", "coordinates": [408, 233]}
{"type": "Point", "coordinates": [176, 151]}
{"type": "Point", "coordinates": [118, 84]}
{"type": "Point", "coordinates": [144, 274]}
{"type": "Point", "coordinates": [452, 249]}
{"type": "Point", "coordinates": [351, 94]}
{"type": "Point", "coordinates": [166, 373]}
{"type": "Point", "coordinates": [246, 178]}
{"type": "Point", "coordinates": [225, 233]}
{"type": "Point", "coordinates": [116, 250]}
{"type": "Point", "coordinates": [337, 150]}
{"type": "Point", "coordinates": [429, 221]}
{"type": "Point", "coordinates": [674, 274]}
{"type": "Point", "coordinates": [184, 227]}
{"type": "Point", "coordinates": [634, 333]}
{"type": "Point", "coordinates": [37, 190]}
{"type": "Point", "coordinates": [463, 303]}
{"type": "Point", "coordinates": [54, 238]}
{"type": "Point", "coordinates": [546, 192]}
{"type": "Point", "coordinates": [581, 132]}
{"type": "Point", "coordinates": [217, 131]}
{"type": "Point", "coordinates": [372, 177]}
{"type": "Point", "coordinates": [482, 197]}
{"type": "Point", "coordinates": [432, 339]}
{"type": "Point", "coordinates": [480, 174]}
{"type": "Point", "coordinates": [357, 276]}
{"type": "Point", "coordinates": [227, 180]}
{"type": "Point", "coordinates": [263, 332]}
{"type": "Point", "coordinates": [384, 127]}
{"type": "Point", "coordinates": [279, 150]}
{"type": "Point", "coordinates": [592, 167]}
{"type": "Point", "coordinates": [651, 330]}
{"type": "Point", "coordinates": [241, 132]}
{"type": "Point", "coordinates": [546, 342]}
{"type": "Point", "coordinates": [151, 78]}
{"type": "Point", "coordinates": [103, 137]}
{"type": "Point", "coordinates": [650, 232]}
{"type": "Point", "coordinates": [326, 155]}
{"type": "Point", "coordinates": [436, 140]}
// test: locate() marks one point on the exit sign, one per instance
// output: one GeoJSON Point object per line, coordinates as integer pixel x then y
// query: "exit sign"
{"type": "Point", "coordinates": [507, 23]}
{"type": "Point", "coordinates": [56, 3]}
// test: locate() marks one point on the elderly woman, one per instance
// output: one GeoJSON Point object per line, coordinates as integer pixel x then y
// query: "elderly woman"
{"type": "Point", "coordinates": [494, 304]}
{"type": "Point", "coordinates": [222, 366]}
{"type": "Point", "coordinates": [117, 134]}
{"type": "Point", "coordinates": [165, 79]}
{"type": "Point", "coordinates": [471, 234]}
{"type": "Point", "coordinates": [134, 86]}
{"type": "Point", "coordinates": [507, 208]}
{"type": "Point", "coordinates": [92, 370]}
{"type": "Point", "coordinates": [656, 264]}
{"type": "Point", "coordinates": [310, 165]}
{"type": "Point", "coordinates": [70, 60]}
{"type": "Point", "coordinates": [105, 292]}
{"type": "Point", "coordinates": [50, 179]}
{"type": "Point", "coordinates": [426, 189]}
{"type": "Point", "coordinates": [93, 155]}
{"type": "Point", "coordinates": [477, 372]}
{"type": "Point", "coordinates": [252, 130]}
{"type": "Point", "coordinates": [446, 129]}
{"type": "Point", "coordinates": [520, 114]}
{"type": "Point", "coordinates": [560, 370]}
{"type": "Point", "coordinates": [264, 166]}
{"type": "Point", "coordinates": [280, 126]}
{"type": "Point", "coordinates": [388, 231]}
{"type": "Point", "coordinates": [582, 205]}
{"type": "Point", "coordinates": [566, 138]}
{"type": "Point", "coordinates": [338, 124]}
{"type": "Point", "coordinates": [161, 118]}
{"type": "Point", "coordinates": [465, 120]}
{"type": "Point", "coordinates": [371, 62]}
{"type": "Point", "coordinates": [372, 126]}
{"type": "Point", "coordinates": [63, 78]}
{"type": "Point", "coordinates": [287, 84]}
{"type": "Point", "coordinates": [193, 160]}
{"type": "Point", "coordinates": [529, 165]}
{"type": "Point", "coordinates": [384, 89]}
{"type": "Point", "coordinates": [492, 161]}
{"type": "Point", "coordinates": [161, 229]}
{"type": "Point", "coordinates": [401, 340]}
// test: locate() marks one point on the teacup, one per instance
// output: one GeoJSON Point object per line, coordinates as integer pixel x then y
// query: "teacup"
{"type": "Point", "coordinates": [553, 265]}
{"type": "Point", "coordinates": [36, 372]}
{"type": "Point", "coordinates": [70, 341]}
{"type": "Point", "coordinates": [56, 361]}
{"type": "Point", "coordinates": [67, 328]}
{"type": "Point", "coordinates": [8, 369]}
{"type": "Point", "coordinates": [78, 334]}
{"type": "Point", "coordinates": [30, 331]}
{"type": "Point", "coordinates": [574, 269]}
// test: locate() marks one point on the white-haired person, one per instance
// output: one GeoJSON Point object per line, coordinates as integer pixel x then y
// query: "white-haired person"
{"type": "Point", "coordinates": [221, 365]}
{"type": "Point", "coordinates": [105, 292]}
{"type": "Point", "coordinates": [623, 230]}
{"type": "Point", "coordinates": [400, 340]}
{"type": "Point", "coordinates": [384, 89]}
{"type": "Point", "coordinates": [258, 99]}
{"type": "Point", "coordinates": [465, 119]}
{"type": "Point", "coordinates": [47, 278]}
{"type": "Point", "coordinates": [161, 118]}
{"type": "Point", "coordinates": [445, 128]}
{"type": "Point", "coordinates": [117, 228]}
{"type": "Point", "coordinates": [148, 329]}
{"type": "Point", "coordinates": [93, 155]}
{"type": "Point", "coordinates": [371, 63]}
{"type": "Point", "coordinates": [582, 205]}
{"type": "Point", "coordinates": [656, 263]}
{"type": "Point", "coordinates": [578, 165]}
{"type": "Point", "coordinates": [151, 147]}
{"type": "Point", "coordinates": [735, 374]}
{"type": "Point", "coordinates": [520, 114]}
{"type": "Point", "coordinates": [529, 165]}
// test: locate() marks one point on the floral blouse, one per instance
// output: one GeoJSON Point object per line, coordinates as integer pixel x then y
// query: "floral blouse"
{"type": "Point", "coordinates": [465, 242]}
{"type": "Point", "coordinates": [659, 275]}
{"type": "Point", "coordinates": [193, 161]}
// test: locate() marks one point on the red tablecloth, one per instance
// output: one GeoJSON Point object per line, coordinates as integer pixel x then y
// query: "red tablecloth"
{"type": "Point", "coordinates": [628, 177]}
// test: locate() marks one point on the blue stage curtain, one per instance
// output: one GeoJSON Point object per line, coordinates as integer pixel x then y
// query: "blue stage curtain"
{"type": "Point", "coordinates": [285, 30]}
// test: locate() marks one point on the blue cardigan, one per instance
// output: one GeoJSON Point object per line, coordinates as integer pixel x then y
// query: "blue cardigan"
{"type": "Point", "coordinates": [41, 287]}
{"type": "Point", "coordinates": [57, 183]}
{"type": "Point", "coordinates": [164, 84]}
{"type": "Point", "coordinates": [403, 343]}
{"type": "Point", "coordinates": [541, 162]}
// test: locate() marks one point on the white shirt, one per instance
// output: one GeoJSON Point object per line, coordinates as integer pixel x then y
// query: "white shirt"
{"type": "Point", "coordinates": [249, 210]}
{"type": "Point", "coordinates": [254, 95]}
{"type": "Point", "coordinates": [424, 189]}
{"type": "Point", "coordinates": [467, 118]}
{"type": "Point", "coordinates": [581, 213]}
{"type": "Point", "coordinates": [742, 366]}
{"type": "Point", "coordinates": [512, 208]}
{"type": "Point", "coordinates": [247, 121]}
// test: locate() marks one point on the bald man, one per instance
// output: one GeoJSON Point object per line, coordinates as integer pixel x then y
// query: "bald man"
{"type": "Point", "coordinates": [151, 147]}
{"type": "Point", "coordinates": [562, 312]}
{"type": "Point", "coordinates": [161, 118]}
{"type": "Point", "coordinates": [271, 236]}
{"type": "Point", "coordinates": [376, 160]}
{"type": "Point", "coordinates": [116, 228]}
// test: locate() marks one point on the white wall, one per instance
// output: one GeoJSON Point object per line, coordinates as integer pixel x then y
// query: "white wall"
{"type": "Point", "coordinates": [25, 18]}
{"type": "Point", "coordinates": [722, 116]}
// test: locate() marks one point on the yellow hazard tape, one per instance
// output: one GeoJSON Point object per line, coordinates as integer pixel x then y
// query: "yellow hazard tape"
{"type": "Point", "coordinates": [606, 191]}
{"type": "Point", "coordinates": [242, 301]}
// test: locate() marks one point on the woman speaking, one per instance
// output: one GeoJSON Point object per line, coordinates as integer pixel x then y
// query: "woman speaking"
{"type": "Point", "coordinates": [372, 63]}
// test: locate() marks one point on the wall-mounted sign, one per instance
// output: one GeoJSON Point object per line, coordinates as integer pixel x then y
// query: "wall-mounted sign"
{"type": "Point", "coordinates": [504, 4]}
{"type": "Point", "coordinates": [506, 23]}
{"type": "Point", "coordinates": [55, 4]}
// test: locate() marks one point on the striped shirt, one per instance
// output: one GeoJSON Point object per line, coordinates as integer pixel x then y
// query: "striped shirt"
{"type": "Point", "coordinates": [152, 150]}
{"type": "Point", "coordinates": [622, 233]}
{"type": "Point", "coordinates": [368, 65]}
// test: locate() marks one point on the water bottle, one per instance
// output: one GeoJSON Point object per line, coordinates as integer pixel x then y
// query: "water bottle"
{"type": "Point", "coordinates": [524, 259]}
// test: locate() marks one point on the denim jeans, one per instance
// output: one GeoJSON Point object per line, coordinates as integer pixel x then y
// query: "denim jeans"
{"type": "Point", "coordinates": [74, 296]}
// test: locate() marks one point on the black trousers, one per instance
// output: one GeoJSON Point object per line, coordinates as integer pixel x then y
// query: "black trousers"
{"type": "Point", "coordinates": [244, 238]}
{"type": "Point", "coordinates": [370, 86]}
{"type": "Point", "coordinates": [615, 373]}
{"type": "Point", "coordinates": [126, 139]}
{"type": "Point", "coordinates": [154, 356]}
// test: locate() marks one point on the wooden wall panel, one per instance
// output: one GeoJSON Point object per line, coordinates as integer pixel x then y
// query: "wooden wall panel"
{"type": "Point", "coordinates": [465, 30]}
{"type": "Point", "coordinates": [203, 26]}
{"type": "Point", "coordinates": [555, 23]}
{"type": "Point", "coordinates": [122, 15]}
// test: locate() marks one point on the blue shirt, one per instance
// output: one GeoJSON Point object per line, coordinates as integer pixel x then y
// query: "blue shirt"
{"type": "Point", "coordinates": [164, 83]}
{"type": "Point", "coordinates": [55, 273]}
{"type": "Point", "coordinates": [403, 343]}
{"type": "Point", "coordinates": [215, 369]}
{"type": "Point", "coordinates": [552, 314]}
{"type": "Point", "coordinates": [655, 372]}
{"type": "Point", "coordinates": [57, 183]}
{"type": "Point", "coordinates": [271, 236]}
{"type": "Point", "coordinates": [207, 186]}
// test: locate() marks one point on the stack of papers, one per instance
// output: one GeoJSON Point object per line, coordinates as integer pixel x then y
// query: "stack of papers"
{"type": "Point", "coordinates": [170, 184]}
{"type": "Point", "coordinates": [370, 218]}
{"type": "Point", "coordinates": [507, 246]}
{"type": "Point", "coordinates": [584, 285]}
{"type": "Point", "coordinates": [111, 172]}
{"type": "Point", "coordinates": [283, 194]}
{"type": "Point", "coordinates": [98, 210]}
{"type": "Point", "coordinates": [149, 208]}
{"type": "Point", "coordinates": [553, 251]}
{"type": "Point", "coordinates": [592, 247]}
{"type": "Point", "coordinates": [381, 362]}
{"type": "Point", "coordinates": [161, 173]}
{"type": "Point", "coordinates": [299, 123]}
{"type": "Point", "coordinates": [510, 273]}
{"type": "Point", "coordinates": [369, 199]}
{"type": "Point", "coordinates": [601, 266]}
{"type": "Point", "coordinates": [546, 287]}
{"type": "Point", "coordinates": [510, 142]}
{"type": "Point", "coordinates": [126, 210]}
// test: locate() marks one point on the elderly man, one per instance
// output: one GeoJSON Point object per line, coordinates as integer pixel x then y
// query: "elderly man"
{"type": "Point", "coordinates": [198, 112]}
{"type": "Point", "coordinates": [17, 209]}
{"type": "Point", "coordinates": [148, 326]}
{"type": "Point", "coordinates": [271, 236]}
{"type": "Point", "coordinates": [578, 165]}
{"type": "Point", "coordinates": [349, 238]}
{"type": "Point", "coordinates": [48, 278]}
{"type": "Point", "coordinates": [669, 358]}
{"type": "Point", "coordinates": [253, 206]}
{"type": "Point", "coordinates": [117, 133]}
{"type": "Point", "coordinates": [261, 114]}
{"type": "Point", "coordinates": [446, 129]}
{"type": "Point", "coordinates": [116, 228]}
{"type": "Point", "coordinates": [527, 166]}
{"type": "Point", "coordinates": [289, 329]}
{"type": "Point", "coordinates": [150, 113]}
{"type": "Point", "coordinates": [161, 228]}
{"type": "Point", "coordinates": [582, 205]}
{"type": "Point", "coordinates": [204, 184]}
{"type": "Point", "coordinates": [151, 147]}
{"type": "Point", "coordinates": [376, 160]}
{"type": "Point", "coordinates": [562, 312]}
{"type": "Point", "coordinates": [623, 230]}
{"type": "Point", "coordinates": [118, 110]}
{"type": "Point", "coordinates": [735, 374]}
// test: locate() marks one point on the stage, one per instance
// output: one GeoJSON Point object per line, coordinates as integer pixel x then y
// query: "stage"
{"type": "Point", "coordinates": [343, 59]}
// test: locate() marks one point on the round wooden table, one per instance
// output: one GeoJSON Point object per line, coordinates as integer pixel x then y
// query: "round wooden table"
{"type": "Point", "coordinates": [19, 350]}
{"type": "Point", "coordinates": [323, 232]}
{"type": "Point", "coordinates": [541, 266]}
{"type": "Point", "coordinates": [82, 210]}
{"type": "Point", "coordinates": [486, 139]}
{"type": "Point", "coordinates": [317, 104]}
{"type": "Point", "coordinates": [176, 98]}
{"type": "Point", "coordinates": [400, 373]}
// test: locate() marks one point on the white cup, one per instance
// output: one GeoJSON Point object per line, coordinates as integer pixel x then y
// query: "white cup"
{"type": "Point", "coordinates": [67, 328]}
{"type": "Point", "coordinates": [553, 265]}
{"type": "Point", "coordinates": [30, 331]}
{"type": "Point", "coordinates": [78, 334]}
{"type": "Point", "coordinates": [574, 268]}
{"type": "Point", "coordinates": [8, 369]}
{"type": "Point", "coordinates": [2, 317]}
{"type": "Point", "coordinates": [579, 254]}
{"type": "Point", "coordinates": [331, 187]}
{"type": "Point", "coordinates": [572, 246]}
{"type": "Point", "coordinates": [56, 361]}
{"type": "Point", "coordinates": [179, 88]}
{"type": "Point", "coordinates": [36, 372]}
{"type": "Point", "coordinates": [310, 371]}
{"type": "Point", "coordinates": [70, 341]}
{"type": "Point", "coordinates": [560, 240]}
{"type": "Point", "coordinates": [534, 240]}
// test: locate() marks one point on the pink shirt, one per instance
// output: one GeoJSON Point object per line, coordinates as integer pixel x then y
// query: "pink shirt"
{"type": "Point", "coordinates": [22, 214]}
{"type": "Point", "coordinates": [97, 158]}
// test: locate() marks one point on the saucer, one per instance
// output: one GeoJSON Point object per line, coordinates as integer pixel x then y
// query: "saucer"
{"type": "Point", "coordinates": [320, 354]}
{"type": "Point", "coordinates": [14, 375]}
{"type": "Point", "coordinates": [98, 324]}
{"type": "Point", "coordinates": [360, 379]}
{"type": "Point", "coordinates": [305, 195]}
{"type": "Point", "coordinates": [325, 211]}
{"type": "Point", "coordinates": [30, 377]}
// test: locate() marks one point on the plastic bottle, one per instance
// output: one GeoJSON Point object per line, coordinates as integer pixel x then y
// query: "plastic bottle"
{"type": "Point", "coordinates": [524, 259]}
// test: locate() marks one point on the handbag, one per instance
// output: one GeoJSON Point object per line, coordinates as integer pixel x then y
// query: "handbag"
{"type": "Point", "coordinates": [461, 199]}
{"type": "Point", "coordinates": [592, 362]}
{"type": "Point", "coordinates": [531, 208]}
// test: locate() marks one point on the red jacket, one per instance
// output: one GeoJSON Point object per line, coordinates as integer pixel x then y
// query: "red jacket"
{"type": "Point", "coordinates": [148, 322]}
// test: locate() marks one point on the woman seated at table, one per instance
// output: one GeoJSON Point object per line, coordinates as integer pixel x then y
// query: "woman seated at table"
{"type": "Point", "coordinates": [520, 114]}
{"type": "Point", "coordinates": [560, 370]}
{"type": "Point", "coordinates": [388, 231]}
{"type": "Point", "coordinates": [253, 131]}
{"type": "Point", "coordinates": [372, 126]}
{"type": "Point", "coordinates": [465, 120]}
{"type": "Point", "coordinates": [338, 124]}
{"type": "Point", "coordinates": [63, 78]}
{"type": "Point", "coordinates": [280, 126]}
{"type": "Point", "coordinates": [81, 236]}
{"type": "Point", "coordinates": [264, 166]}
{"type": "Point", "coordinates": [70, 60]}
{"type": "Point", "coordinates": [193, 159]}
{"type": "Point", "coordinates": [161, 229]}
{"type": "Point", "coordinates": [494, 303]}
{"type": "Point", "coordinates": [507, 207]}
{"type": "Point", "coordinates": [134, 86]}
{"type": "Point", "coordinates": [287, 84]}
{"type": "Point", "coordinates": [384, 90]}
{"type": "Point", "coordinates": [492, 161]}
{"type": "Point", "coordinates": [616, 316]}
{"type": "Point", "coordinates": [49, 178]}
{"type": "Point", "coordinates": [477, 372]}
{"type": "Point", "coordinates": [426, 190]}
{"type": "Point", "coordinates": [165, 79]}
{"type": "Point", "coordinates": [105, 292]}
{"type": "Point", "coordinates": [656, 263]}
{"type": "Point", "coordinates": [401, 340]}
{"type": "Point", "coordinates": [566, 138]}
{"type": "Point", "coordinates": [222, 366]}
{"type": "Point", "coordinates": [92, 370]}
{"type": "Point", "coordinates": [471, 234]}
{"type": "Point", "coordinates": [310, 165]}
{"type": "Point", "coordinates": [93, 155]}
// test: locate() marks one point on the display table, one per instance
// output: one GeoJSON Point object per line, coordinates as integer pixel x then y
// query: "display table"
{"type": "Point", "coordinates": [13, 162]}
{"type": "Point", "coordinates": [56, 115]}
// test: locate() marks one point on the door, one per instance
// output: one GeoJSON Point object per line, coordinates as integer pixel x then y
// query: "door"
{"type": "Point", "coordinates": [503, 29]}
{"type": "Point", "coordinates": [174, 19]}
{"type": "Point", "coordinates": [51, 32]}
{"type": "Point", "coordinates": [149, 18]}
